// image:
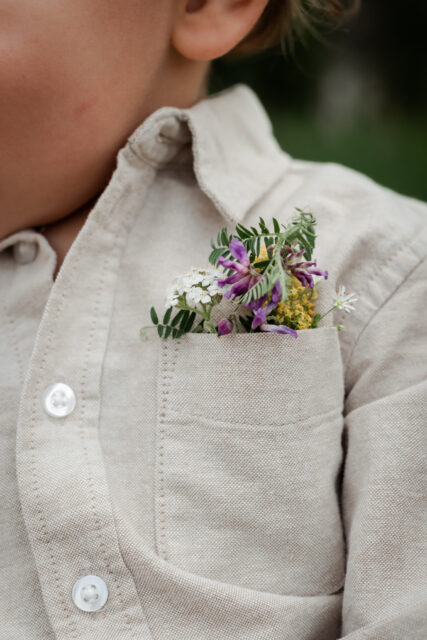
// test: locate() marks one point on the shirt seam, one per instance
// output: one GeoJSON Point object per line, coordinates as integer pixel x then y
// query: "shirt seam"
{"type": "Point", "coordinates": [329, 413]}
{"type": "Point", "coordinates": [391, 259]}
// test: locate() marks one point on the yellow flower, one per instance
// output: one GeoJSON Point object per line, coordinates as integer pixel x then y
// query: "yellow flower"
{"type": "Point", "coordinates": [298, 310]}
{"type": "Point", "coordinates": [263, 255]}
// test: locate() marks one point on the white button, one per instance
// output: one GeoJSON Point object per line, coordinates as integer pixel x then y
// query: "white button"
{"type": "Point", "coordinates": [90, 593]}
{"type": "Point", "coordinates": [25, 251]}
{"type": "Point", "coordinates": [59, 400]}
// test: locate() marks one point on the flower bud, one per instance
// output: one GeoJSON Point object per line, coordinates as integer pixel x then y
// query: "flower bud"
{"type": "Point", "coordinates": [224, 326]}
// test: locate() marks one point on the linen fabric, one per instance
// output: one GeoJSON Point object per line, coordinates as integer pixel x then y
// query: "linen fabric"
{"type": "Point", "coordinates": [248, 487]}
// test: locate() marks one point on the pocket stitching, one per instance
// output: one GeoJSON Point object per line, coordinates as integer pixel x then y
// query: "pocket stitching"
{"type": "Point", "coordinates": [252, 424]}
{"type": "Point", "coordinates": [166, 377]}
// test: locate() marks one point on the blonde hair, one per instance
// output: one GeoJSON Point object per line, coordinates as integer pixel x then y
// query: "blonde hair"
{"type": "Point", "coordinates": [282, 21]}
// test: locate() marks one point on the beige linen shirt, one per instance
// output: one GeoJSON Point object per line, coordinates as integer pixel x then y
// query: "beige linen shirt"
{"type": "Point", "coordinates": [248, 487]}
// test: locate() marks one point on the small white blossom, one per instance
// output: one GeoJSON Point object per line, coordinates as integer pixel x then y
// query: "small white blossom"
{"type": "Point", "coordinates": [214, 289]}
{"type": "Point", "coordinates": [171, 301]}
{"type": "Point", "coordinates": [196, 285]}
{"type": "Point", "coordinates": [343, 300]}
{"type": "Point", "coordinates": [197, 294]}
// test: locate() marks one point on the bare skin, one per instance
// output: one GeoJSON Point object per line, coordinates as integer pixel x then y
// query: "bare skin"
{"type": "Point", "coordinates": [76, 79]}
{"type": "Point", "coordinates": [62, 233]}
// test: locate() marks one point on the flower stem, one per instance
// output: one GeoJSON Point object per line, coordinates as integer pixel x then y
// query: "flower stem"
{"type": "Point", "coordinates": [187, 307]}
{"type": "Point", "coordinates": [325, 314]}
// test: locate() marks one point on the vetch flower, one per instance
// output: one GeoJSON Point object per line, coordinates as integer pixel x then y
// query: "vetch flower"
{"type": "Point", "coordinates": [224, 326]}
{"type": "Point", "coordinates": [262, 311]}
{"type": "Point", "coordinates": [302, 270]}
{"type": "Point", "coordinates": [244, 277]}
{"type": "Point", "coordinates": [343, 300]}
{"type": "Point", "coordinates": [278, 328]}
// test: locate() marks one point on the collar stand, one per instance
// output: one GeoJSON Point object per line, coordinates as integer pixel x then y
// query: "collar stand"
{"type": "Point", "coordinates": [228, 137]}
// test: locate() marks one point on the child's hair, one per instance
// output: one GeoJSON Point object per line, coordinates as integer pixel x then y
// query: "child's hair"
{"type": "Point", "coordinates": [282, 20]}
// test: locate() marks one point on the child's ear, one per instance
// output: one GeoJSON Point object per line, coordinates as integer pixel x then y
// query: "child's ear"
{"type": "Point", "coordinates": [208, 29]}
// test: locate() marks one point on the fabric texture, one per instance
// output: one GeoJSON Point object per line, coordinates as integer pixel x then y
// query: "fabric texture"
{"type": "Point", "coordinates": [248, 487]}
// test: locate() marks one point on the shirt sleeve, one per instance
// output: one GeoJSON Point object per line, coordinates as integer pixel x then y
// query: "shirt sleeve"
{"type": "Point", "coordinates": [383, 497]}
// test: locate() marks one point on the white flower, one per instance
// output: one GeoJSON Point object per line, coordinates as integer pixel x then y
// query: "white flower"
{"type": "Point", "coordinates": [343, 300]}
{"type": "Point", "coordinates": [171, 301]}
{"type": "Point", "coordinates": [197, 294]}
{"type": "Point", "coordinates": [196, 285]}
{"type": "Point", "coordinates": [214, 289]}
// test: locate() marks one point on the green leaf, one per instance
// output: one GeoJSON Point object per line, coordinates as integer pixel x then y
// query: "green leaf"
{"type": "Point", "coordinates": [153, 315]}
{"type": "Point", "coordinates": [242, 232]}
{"type": "Point", "coordinates": [167, 315]}
{"type": "Point", "coordinates": [224, 236]}
{"type": "Point", "coordinates": [184, 319]}
{"type": "Point", "coordinates": [245, 322]}
{"type": "Point", "coordinates": [262, 264]}
{"type": "Point", "coordinates": [190, 321]}
{"type": "Point", "coordinates": [315, 320]}
{"type": "Point", "coordinates": [300, 232]}
{"type": "Point", "coordinates": [216, 253]}
{"type": "Point", "coordinates": [276, 225]}
{"type": "Point", "coordinates": [178, 316]}
{"type": "Point", "coordinates": [167, 332]}
{"type": "Point", "coordinates": [160, 329]}
{"type": "Point", "coordinates": [257, 291]}
{"type": "Point", "coordinates": [199, 327]}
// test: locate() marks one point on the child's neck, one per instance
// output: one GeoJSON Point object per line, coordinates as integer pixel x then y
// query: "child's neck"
{"type": "Point", "coordinates": [62, 233]}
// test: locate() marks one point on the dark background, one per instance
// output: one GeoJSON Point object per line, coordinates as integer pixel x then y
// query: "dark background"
{"type": "Point", "coordinates": [359, 99]}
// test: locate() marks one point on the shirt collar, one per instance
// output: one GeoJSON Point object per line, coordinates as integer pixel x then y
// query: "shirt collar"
{"type": "Point", "coordinates": [235, 156]}
{"type": "Point", "coordinates": [229, 140]}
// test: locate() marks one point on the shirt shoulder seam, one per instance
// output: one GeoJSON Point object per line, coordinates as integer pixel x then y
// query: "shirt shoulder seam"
{"type": "Point", "coordinates": [420, 258]}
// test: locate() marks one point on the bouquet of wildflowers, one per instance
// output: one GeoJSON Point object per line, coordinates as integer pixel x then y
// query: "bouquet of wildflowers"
{"type": "Point", "coordinates": [268, 275]}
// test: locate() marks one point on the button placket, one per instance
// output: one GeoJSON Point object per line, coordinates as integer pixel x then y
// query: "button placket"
{"type": "Point", "coordinates": [62, 481]}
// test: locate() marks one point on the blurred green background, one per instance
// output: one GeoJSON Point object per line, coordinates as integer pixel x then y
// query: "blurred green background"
{"type": "Point", "coordinates": [359, 99]}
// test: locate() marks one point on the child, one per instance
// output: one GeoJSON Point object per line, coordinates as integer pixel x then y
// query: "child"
{"type": "Point", "coordinates": [246, 487]}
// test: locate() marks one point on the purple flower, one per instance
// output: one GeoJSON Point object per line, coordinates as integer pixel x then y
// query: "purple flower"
{"type": "Point", "coordinates": [262, 312]}
{"type": "Point", "coordinates": [303, 271]}
{"type": "Point", "coordinates": [244, 277]}
{"type": "Point", "coordinates": [278, 328]}
{"type": "Point", "coordinates": [224, 326]}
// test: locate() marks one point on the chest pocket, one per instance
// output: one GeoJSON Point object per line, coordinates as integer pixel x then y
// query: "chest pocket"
{"type": "Point", "coordinates": [247, 458]}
